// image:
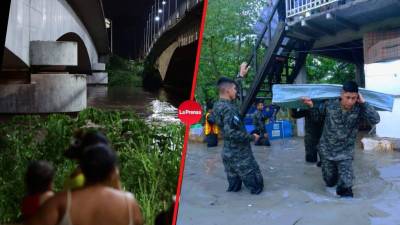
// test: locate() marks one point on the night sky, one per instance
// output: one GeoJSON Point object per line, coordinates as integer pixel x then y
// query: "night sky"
{"type": "Point", "coordinates": [129, 19]}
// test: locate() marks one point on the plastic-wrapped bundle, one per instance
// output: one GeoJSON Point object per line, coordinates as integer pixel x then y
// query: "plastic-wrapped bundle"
{"type": "Point", "coordinates": [289, 95]}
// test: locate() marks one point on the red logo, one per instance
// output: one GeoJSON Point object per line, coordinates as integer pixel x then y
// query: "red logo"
{"type": "Point", "coordinates": [189, 112]}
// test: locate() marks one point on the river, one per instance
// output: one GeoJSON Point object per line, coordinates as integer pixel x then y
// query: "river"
{"type": "Point", "coordinates": [154, 106]}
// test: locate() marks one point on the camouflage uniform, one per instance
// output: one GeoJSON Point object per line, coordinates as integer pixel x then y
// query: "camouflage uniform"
{"type": "Point", "coordinates": [338, 140]}
{"type": "Point", "coordinates": [237, 157]}
{"type": "Point", "coordinates": [314, 123]}
{"type": "Point", "coordinates": [259, 123]}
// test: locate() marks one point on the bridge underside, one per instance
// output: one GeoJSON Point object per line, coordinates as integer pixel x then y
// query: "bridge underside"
{"type": "Point", "coordinates": [171, 60]}
{"type": "Point", "coordinates": [179, 76]}
{"type": "Point", "coordinates": [338, 31]}
{"type": "Point", "coordinates": [47, 56]}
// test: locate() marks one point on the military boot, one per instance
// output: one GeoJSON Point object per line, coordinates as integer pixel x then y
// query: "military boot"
{"type": "Point", "coordinates": [345, 192]}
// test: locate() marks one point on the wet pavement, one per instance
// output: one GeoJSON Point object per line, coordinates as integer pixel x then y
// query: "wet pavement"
{"type": "Point", "coordinates": [294, 191]}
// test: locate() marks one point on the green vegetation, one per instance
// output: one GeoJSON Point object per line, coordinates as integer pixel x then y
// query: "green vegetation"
{"type": "Point", "coordinates": [123, 72]}
{"type": "Point", "coordinates": [149, 155]}
{"type": "Point", "coordinates": [329, 71]}
{"type": "Point", "coordinates": [228, 39]}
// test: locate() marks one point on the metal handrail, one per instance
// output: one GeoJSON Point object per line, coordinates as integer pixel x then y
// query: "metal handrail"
{"type": "Point", "coordinates": [153, 31]}
{"type": "Point", "coordinates": [296, 7]}
{"type": "Point", "coordinates": [261, 36]}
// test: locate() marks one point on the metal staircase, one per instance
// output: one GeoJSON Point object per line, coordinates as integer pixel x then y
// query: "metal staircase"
{"type": "Point", "coordinates": [283, 59]}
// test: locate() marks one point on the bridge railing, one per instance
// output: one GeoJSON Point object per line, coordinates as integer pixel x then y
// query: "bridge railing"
{"type": "Point", "coordinates": [299, 7]}
{"type": "Point", "coordinates": [163, 15]}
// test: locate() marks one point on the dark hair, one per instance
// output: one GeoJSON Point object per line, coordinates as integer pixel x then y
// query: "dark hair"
{"type": "Point", "coordinates": [350, 86]}
{"type": "Point", "coordinates": [83, 140]}
{"type": "Point", "coordinates": [223, 81]}
{"type": "Point", "coordinates": [97, 162]}
{"type": "Point", "coordinates": [38, 177]}
{"type": "Point", "coordinates": [209, 105]}
{"type": "Point", "coordinates": [258, 101]}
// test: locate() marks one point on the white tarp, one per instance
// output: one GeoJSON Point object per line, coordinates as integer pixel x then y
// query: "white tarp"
{"type": "Point", "coordinates": [289, 95]}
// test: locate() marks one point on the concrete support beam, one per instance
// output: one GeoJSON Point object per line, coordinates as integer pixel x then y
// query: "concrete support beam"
{"type": "Point", "coordinates": [47, 93]}
{"type": "Point", "coordinates": [342, 21]}
{"type": "Point", "coordinates": [320, 29]}
{"type": "Point", "coordinates": [301, 79]}
{"type": "Point", "coordinates": [162, 62]}
{"type": "Point", "coordinates": [350, 35]}
{"type": "Point", "coordinates": [360, 74]}
{"type": "Point", "coordinates": [98, 78]}
{"type": "Point", "coordinates": [99, 67]}
{"type": "Point", "coordinates": [53, 53]}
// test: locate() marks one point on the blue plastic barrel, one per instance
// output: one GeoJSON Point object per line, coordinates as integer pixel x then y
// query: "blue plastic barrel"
{"type": "Point", "coordinates": [279, 129]}
{"type": "Point", "coordinates": [276, 130]}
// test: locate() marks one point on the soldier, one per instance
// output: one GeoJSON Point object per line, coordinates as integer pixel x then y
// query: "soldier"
{"type": "Point", "coordinates": [237, 157]}
{"type": "Point", "coordinates": [342, 117]}
{"type": "Point", "coordinates": [314, 123]}
{"type": "Point", "coordinates": [211, 130]}
{"type": "Point", "coordinates": [259, 122]}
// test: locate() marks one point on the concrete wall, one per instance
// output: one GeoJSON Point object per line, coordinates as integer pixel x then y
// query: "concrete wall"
{"type": "Point", "coordinates": [46, 94]}
{"type": "Point", "coordinates": [98, 78]}
{"type": "Point", "coordinates": [44, 20]}
{"type": "Point", "coordinates": [54, 53]}
{"type": "Point", "coordinates": [385, 77]}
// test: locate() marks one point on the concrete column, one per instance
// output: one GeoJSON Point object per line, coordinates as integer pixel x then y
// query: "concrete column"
{"type": "Point", "coordinates": [302, 76]}
{"type": "Point", "coordinates": [48, 93]}
{"type": "Point", "coordinates": [53, 53]}
{"type": "Point", "coordinates": [98, 78]}
{"type": "Point", "coordinates": [99, 75]}
{"type": "Point", "coordinates": [301, 79]}
{"type": "Point", "coordinates": [360, 74]}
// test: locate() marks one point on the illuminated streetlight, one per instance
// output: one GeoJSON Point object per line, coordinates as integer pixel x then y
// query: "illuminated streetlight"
{"type": "Point", "coordinates": [164, 2]}
{"type": "Point", "coordinates": [157, 18]}
{"type": "Point", "coordinates": [159, 10]}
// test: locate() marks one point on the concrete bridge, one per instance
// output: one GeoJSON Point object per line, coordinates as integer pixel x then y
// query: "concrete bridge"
{"type": "Point", "coordinates": [52, 49]}
{"type": "Point", "coordinates": [170, 48]}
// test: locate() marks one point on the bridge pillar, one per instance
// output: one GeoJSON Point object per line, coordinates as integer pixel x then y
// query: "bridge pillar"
{"type": "Point", "coordinates": [301, 79]}
{"type": "Point", "coordinates": [47, 92]}
{"type": "Point", "coordinates": [99, 76]}
{"type": "Point", "coordinates": [360, 74]}
{"type": "Point", "coordinates": [53, 53]}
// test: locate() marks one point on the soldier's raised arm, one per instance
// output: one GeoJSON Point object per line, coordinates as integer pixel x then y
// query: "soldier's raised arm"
{"type": "Point", "coordinates": [367, 111]}
{"type": "Point", "coordinates": [243, 70]}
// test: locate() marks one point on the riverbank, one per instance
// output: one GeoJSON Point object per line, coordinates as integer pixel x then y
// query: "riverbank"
{"type": "Point", "coordinates": [149, 155]}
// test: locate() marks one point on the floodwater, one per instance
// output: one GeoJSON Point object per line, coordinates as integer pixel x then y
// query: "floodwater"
{"type": "Point", "coordinates": [294, 191]}
{"type": "Point", "coordinates": [154, 106]}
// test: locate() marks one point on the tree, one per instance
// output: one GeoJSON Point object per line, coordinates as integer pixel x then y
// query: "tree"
{"type": "Point", "coordinates": [227, 41]}
{"type": "Point", "coordinates": [325, 70]}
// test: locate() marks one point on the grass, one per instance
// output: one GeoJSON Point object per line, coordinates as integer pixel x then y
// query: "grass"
{"type": "Point", "coordinates": [149, 155]}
